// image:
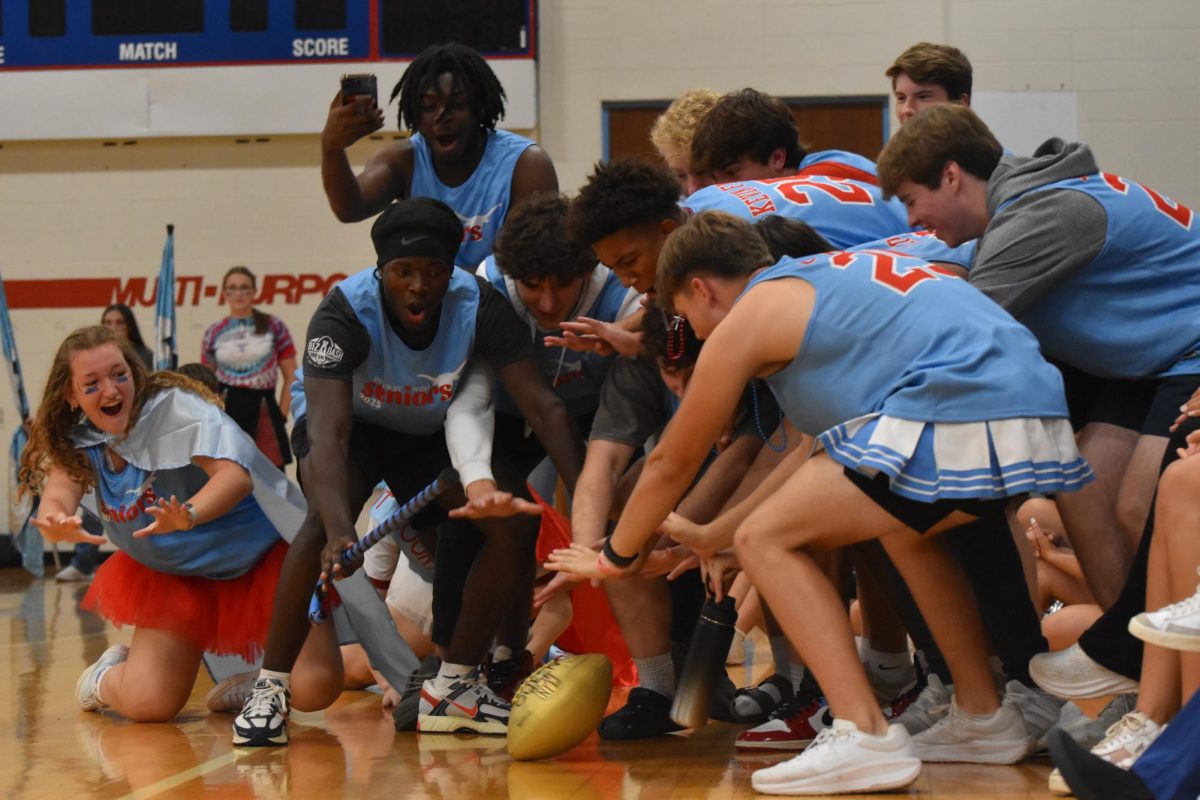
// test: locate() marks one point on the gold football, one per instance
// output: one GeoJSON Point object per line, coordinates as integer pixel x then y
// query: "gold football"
{"type": "Point", "coordinates": [558, 706]}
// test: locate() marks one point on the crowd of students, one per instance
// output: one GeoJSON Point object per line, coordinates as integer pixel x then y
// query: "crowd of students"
{"type": "Point", "coordinates": [959, 381]}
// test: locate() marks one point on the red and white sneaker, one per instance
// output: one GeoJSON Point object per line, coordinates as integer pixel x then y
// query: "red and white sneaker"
{"type": "Point", "coordinates": [791, 726]}
{"type": "Point", "coordinates": [468, 705]}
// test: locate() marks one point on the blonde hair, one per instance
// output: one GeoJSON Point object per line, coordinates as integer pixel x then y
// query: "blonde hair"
{"type": "Point", "coordinates": [673, 130]}
{"type": "Point", "coordinates": [50, 444]}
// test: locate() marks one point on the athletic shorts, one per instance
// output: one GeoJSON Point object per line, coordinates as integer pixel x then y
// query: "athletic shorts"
{"type": "Point", "coordinates": [913, 513]}
{"type": "Point", "coordinates": [407, 463]}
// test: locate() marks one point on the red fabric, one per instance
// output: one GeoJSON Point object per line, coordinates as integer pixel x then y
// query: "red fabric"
{"type": "Point", "coordinates": [593, 627]}
{"type": "Point", "coordinates": [265, 437]}
{"type": "Point", "coordinates": [223, 617]}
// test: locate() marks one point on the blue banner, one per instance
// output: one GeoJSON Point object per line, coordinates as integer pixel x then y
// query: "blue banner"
{"type": "Point", "coordinates": [26, 537]}
{"type": "Point", "coordinates": [166, 356]}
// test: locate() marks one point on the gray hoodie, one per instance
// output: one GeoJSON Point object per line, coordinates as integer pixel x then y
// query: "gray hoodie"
{"type": "Point", "coordinates": [1035, 242]}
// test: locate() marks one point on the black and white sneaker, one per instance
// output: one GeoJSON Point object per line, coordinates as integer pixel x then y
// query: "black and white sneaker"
{"type": "Point", "coordinates": [263, 721]}
{"type": "Point", "coordinates": [468, 705]}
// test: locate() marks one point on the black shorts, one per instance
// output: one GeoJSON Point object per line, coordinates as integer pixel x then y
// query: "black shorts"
{"type": "Point", "coordinates": [407, 463]}
{"type": "Point", "coordinates": [913, 513]}
{"type": "Point", "coordinates": [1147, 406]}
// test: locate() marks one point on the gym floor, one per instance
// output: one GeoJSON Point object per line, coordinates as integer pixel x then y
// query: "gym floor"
{"type": "Point", "coordinates": [350, 750]}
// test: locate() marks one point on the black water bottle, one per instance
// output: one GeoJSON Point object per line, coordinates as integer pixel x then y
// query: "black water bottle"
{"type": "Point", "coordinates": [705, 663]}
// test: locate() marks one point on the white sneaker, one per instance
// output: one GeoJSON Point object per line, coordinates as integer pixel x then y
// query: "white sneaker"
{"type": "Point", "coordinates": [72, 574]}
{"type": "Point", "coordinates": [231, 693]}
{"type": "Point", "coordinates": [1000, 738]}
{"type": "Point", "coordinates": [1128, 739]}
{"type": "Point", "coordinates": [1039, 709]}
{"type": "Point", "coordinates": [843, 759]}
{"type": "Point", "coordinates": [87, 688]}
{"type": "Point", "coordinates": [1090, 732]}
{"type": "Point", "coordinates": [1072, 674]}
{"type": "Point", "coordinates": [468, 705]}
{"type": "Point", "coordinates": [1176, 626]}
{"type": "Point", "coordinates": [931, 705]}
{"type": "Point", "coordinates": [1124, 741]}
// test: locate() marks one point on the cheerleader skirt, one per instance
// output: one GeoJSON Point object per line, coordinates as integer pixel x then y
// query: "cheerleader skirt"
{"type": "Point", "coordinates": [931, 461]}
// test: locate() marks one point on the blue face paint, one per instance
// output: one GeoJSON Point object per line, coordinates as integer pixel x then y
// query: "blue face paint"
{"type": "Point", "coordinates": [91, 389]}
{"type": "Point", "coordinates": [122, 379]}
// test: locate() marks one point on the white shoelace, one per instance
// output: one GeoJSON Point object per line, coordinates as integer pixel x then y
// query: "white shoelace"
{"type": "Point", "coordinates": [1189, 606]}
{"type": "Point", "coordinates": [828, 736]}
{"type": "Point", "coordinates": [263, 701]}
{"type": "Point", "coordinates": [1127, 728]}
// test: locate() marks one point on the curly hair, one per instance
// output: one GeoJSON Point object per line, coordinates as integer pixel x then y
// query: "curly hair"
{"type": "Point", "coordinates": [673, 130]}
{"type": "Point", "coordinates": [50, 443]}
{"type": "Point", "coordinates": [745, 123]}
{"type": "Point", "coordinates": [533, 244]}
{"type": "Point", "coordinates": [621, 194]}
{"type": "Point", "coordinates": [470, 73]}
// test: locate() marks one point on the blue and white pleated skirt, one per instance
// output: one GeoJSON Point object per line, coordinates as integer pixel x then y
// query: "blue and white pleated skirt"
{"type": "Point", "coordinates": [930, 461]}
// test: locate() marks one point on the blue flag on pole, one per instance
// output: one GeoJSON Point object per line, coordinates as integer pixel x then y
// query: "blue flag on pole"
{"type": "Point", "coordinates": [26, 537]}
{"type": "Point", "coordinates": [165, 354]}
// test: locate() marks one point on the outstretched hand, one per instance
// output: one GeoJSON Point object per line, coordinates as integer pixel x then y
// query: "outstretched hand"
{"type": "Point", "coordinates": [169, 516]}
{"type": "Point", "coordinates": [59, 527]}
{"type": "Point", "coordinates": [496, 504]}
{"type": "Point", "coordinates": [584, 334]}
{"type": "Point", "coordinates": [583, 562]}
{"type": "Point", "coordinates": [699, 538]}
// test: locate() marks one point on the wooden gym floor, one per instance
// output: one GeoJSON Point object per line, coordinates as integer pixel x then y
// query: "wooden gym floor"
{"type": "Point", "coordinates": [52, 750]}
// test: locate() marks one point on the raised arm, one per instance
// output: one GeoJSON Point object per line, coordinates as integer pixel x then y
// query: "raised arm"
{"type": "Point", "coordinates": [386, 176]}
{"type": "Point", "coordinates": [56, 517]}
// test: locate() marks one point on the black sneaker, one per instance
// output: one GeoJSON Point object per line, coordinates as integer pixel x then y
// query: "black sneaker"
{"type": "Point", "coordinates": [505, 677]}
{"type": "Point", "coordinates": [263, 721]}
{"type": "Point", "coordinates": [646, 714]}
{"type": "Point", "coordinates": [404, 715]}
{"type": "Point", "coordinates": [722, 700]}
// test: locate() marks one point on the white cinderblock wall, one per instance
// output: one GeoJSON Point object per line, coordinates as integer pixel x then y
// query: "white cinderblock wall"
{"type": "Point", "coordinates": [84, 209]}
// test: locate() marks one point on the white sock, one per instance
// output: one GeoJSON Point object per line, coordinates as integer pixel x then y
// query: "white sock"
{"type": "Point", "coordinates": [657, 674]}
{"type": "Point", "coordinates": [501, 653]}
{"type": "Point", "coordinates": [283, 677]}
{"type": "Point", "coordinates": [796, 674]}
{"type": "Point", "coordinates": [881, 658]}
{"type": "Point", "coordinates": [449, 673]}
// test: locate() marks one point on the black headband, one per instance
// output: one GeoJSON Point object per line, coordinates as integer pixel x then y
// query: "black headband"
{"type": "Point", "coordinates": [418, 227]}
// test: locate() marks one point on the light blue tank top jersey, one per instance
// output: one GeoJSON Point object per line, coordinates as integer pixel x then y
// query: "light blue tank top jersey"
{"type": "Point", "coordinates": [224, 548]}
{"type": "Point", "coordinates": [927, 247]}
{"type": "Point", "coordinates": [482, 201]}
{"type": "Point", "coordinates": [407, 390]}
{"type": "Point", "coordinates": [1134, 311]}
{"type": "Point", "coordinates": [891, 335]}
{"type": "Point", "coordinates": [853, 160]}
{"type": "Point", "coordinates": [843, 211]}
{"type": "Point", "coordinates": [575, 377]}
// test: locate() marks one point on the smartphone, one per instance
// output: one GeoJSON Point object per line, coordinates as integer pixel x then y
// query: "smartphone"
{"type": "Point", "coordinates": [358, 85]}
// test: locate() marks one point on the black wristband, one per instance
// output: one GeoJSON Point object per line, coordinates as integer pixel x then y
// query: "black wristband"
{"type": "Point", "coordinates": [617, 560]}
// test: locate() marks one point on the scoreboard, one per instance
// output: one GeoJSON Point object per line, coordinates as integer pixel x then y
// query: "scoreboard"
{"type": "Point", "coordinates": [99, 69]}
{"type": "Point", "coordinates": [50, 34]}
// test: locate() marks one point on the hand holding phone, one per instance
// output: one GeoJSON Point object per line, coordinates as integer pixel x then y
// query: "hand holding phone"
{"type": "Point", "coordinates": [363, 84]}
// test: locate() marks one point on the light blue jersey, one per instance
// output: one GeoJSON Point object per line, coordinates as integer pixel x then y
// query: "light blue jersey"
{"type": "Point", "coordinates": [575, 377]}
{"type": "Point", "coordinates": [1134, 310]}
{"type": "Point", "coordinates": [927, 247]}
{"type": "Point", "coordinates": [408, 390]}
{"type": "Point", "coordinates": [840, 164]}
{"type": "Point", "coordinates": [880, 341]}
{"type": "Point", "coordinates": [845, 212]}
{"type": "Point", "coordinates": [482, 201]}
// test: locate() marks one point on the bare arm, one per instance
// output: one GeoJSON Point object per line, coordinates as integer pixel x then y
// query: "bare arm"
{"type": "Point", "coordinates": [56, 517]}
{"type": "Point", "coordinates": [386, 176]}
{"type": "Point", "coordinates": [330, 418]}
{"type": "Point", "coordinates": [592, 502]}
{"type": "Point", "coordinates": [227, 485]}
{"type": "Point", "coordinates": [720, 480]}
{"type": "Point", "coordinates": [534, 172]}
{"type": "Point", "coordinates": [288, 367]}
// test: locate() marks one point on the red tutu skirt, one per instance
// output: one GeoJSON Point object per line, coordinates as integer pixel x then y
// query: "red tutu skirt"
{"type": "Point", "coordinates": [222, 617]}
